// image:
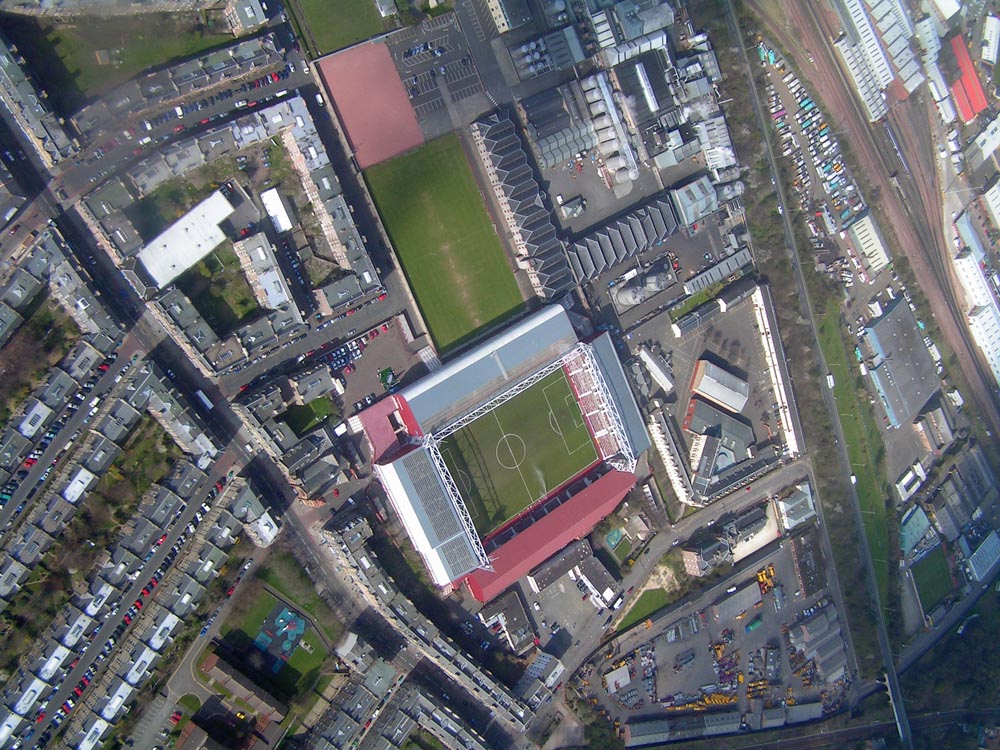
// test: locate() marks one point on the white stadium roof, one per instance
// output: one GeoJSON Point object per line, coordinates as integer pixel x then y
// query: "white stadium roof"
{"type": "Point", "coordinates": [472, 378]}
{"type": "Point", "coordinates": [187, 240]}
{"type": "Point", "coordinates": [418, 495]}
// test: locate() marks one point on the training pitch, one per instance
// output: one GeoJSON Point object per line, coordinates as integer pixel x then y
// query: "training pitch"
{"type": "Point", "coordinates": [434, 213]}
{"type": "Point", "coordinates": [519, 452]}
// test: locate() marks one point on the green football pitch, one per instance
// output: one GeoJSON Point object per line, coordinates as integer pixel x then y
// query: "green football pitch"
{"type": "Point", "coordinates": [519, 452]}
{"type": "Point", "coordinates": [434, 213]}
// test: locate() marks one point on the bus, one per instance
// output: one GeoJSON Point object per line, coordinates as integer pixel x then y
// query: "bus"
{"type": "Point", "coordinates": [205, 400]}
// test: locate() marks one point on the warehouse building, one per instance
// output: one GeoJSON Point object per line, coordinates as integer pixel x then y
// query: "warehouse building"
{"type": "Point", "coordinates": [901, 370]}
{"type": "Point", "coordinates": [868, 243]}
{"type": "Point", "coordinates": [720, 386]}
{"type": "Point", "coordinates": [642, 732]}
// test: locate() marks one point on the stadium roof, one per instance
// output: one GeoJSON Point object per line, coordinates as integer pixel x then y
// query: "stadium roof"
{"type": "Point", "coordinates": [187, 240]}
{"type": "Point", "coordinates": [621, 393]}
{"type": "Point", "coordinates": [903, 372]}
{"type": "Point", "coordinates": [572, 520]}
{"type": "Point", "coordinates": [474, 377]}
{"type": "Point", "coordinates": [418, 494]}
{"type": "Point", "coordinates": [720, 386]}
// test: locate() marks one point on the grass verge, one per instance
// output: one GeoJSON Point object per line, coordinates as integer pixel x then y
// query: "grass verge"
{"type": "Point", "coordinates": [434, 213]}
{"type": "Point", "coordinates": [647, 603]}
{"type": "Point", "coordinates": [863, 443]}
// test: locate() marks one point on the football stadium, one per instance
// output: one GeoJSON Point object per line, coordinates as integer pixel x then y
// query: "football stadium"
{"type": "Point", "coordinates": [512, 450]}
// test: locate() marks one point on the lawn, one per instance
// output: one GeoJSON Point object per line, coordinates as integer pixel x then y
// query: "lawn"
{"type": "Point", "coordinates": [246, 617]}
{"type": "Point", "coordinates": [303, 417]}
{"type": "Point", "coordinates": [434, 213]}
{"type": "Point", "coordinates": [623, 550]}
{"type": "Point", "coordinates": [64, 56]}
{"type": "Point", "coordinates": [331, 25]}
{"type": "Point", "coordinates": [863, 444]}
{"type": "Point", "coordinates": [933, 578]}
{"type": "Point", "coordinates": [521, 451]}
{"type": "Point", "coordinates": [219, 291]}
{"type": "Point", "coordinates": [647, 603]}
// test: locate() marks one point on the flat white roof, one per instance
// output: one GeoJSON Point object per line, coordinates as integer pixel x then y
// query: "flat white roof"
{"type": "Point", "coordinates": [275, 208]}
{"type": "Point", "coordinates": [93, 736]}
{"type": "Point", "coordinates": [187, 240]}
{"type": "Point", "coordinates": [80, 483]}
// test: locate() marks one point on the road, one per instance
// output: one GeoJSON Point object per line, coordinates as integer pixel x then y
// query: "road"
{"type": "Point", "coordinates": [866, 556]}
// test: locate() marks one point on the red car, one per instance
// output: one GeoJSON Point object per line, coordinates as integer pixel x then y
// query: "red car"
{"type": "Point", "coordinates": [274, 77]}
{"type": "Point", "coordinates": [179, 128]}
{"type": "Point", "coordinates": [29, 462]}
{"type": "Point", "coordinates": [161, 540]}
{"type": "Point", "coordinates": [104, 367]}
{"type": "Point", "coordinates": [138, 603]}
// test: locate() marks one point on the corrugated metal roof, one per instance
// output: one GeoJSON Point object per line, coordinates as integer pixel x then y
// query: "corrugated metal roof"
{"type": "Point", "coordinates": [572, 520]}
{"type": "Point", "coordinates": [621, 393]}
{"type": "Point", "coordinates": [474, 377]}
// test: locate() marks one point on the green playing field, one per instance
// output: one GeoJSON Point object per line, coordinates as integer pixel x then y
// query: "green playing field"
{"type": "Point", "coordinates": [519, 452]}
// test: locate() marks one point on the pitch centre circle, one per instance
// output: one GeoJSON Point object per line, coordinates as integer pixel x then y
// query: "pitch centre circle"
{"type": "Point", "coordinates": [511, 451]}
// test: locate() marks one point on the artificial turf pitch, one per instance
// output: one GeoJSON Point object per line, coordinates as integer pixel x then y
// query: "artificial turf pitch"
{"type": "Point", "coordinates": [519, 452]}
{"type": "Point", "coordinates": [433, 211]}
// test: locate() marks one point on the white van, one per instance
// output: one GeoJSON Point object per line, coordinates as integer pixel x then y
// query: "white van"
{"type": "Point", "coordinates": [179, 111]}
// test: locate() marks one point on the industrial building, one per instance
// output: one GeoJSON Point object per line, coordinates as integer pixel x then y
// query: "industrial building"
{"type": "Point", "coordinates": [629, 236]}
{"type": "Point", "coordinates": [868, 243]}
{"type": "Point", "coordinates": [694, 201]}
{"type": "Point", "coordinates": [720, 386]}
{"type": "Point", "coordinates": [820, 639]}
{"type": "Point", "coordinates": [540, 251]}
{"type": "Point", "coordinates": [187, 240]}
{"type": "Point", "coordinates": [901, 368]}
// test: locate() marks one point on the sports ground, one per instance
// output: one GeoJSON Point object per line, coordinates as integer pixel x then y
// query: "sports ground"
{"type": "Point", "coordinates": [432, 209]}
{"type": "Point", "coordinates": [519, 452]}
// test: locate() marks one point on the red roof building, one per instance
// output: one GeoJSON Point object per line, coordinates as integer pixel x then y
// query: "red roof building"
{"type": "Point", "coordinates": [572, 520]}
{"type": "Point", "coordinates": [966, 90]}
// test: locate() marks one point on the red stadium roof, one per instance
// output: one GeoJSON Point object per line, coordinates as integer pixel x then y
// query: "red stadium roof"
{"type": "Point", "coordinates": [379, 429]}
{"type": "Point", "coordinates": [572, 520]}
{"type": "Point", "coordinates": [967, 91]}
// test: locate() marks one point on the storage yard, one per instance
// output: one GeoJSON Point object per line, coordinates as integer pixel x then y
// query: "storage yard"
{"type": "Point", "coordinates": [755, 642]}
